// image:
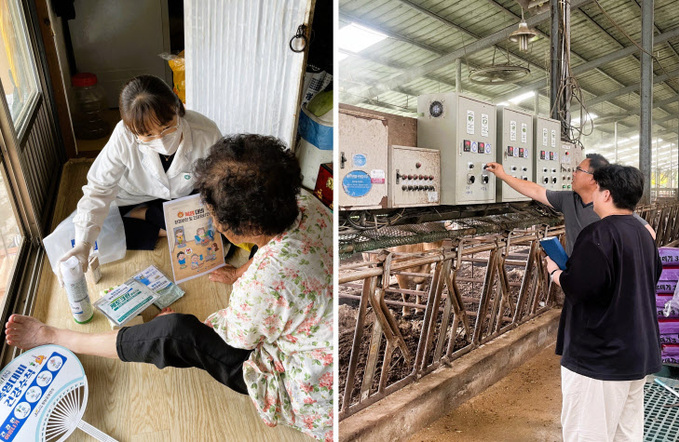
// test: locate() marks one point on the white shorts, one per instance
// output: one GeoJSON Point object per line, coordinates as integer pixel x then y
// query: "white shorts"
{"type": "Point", "coordinates": [595, 410]}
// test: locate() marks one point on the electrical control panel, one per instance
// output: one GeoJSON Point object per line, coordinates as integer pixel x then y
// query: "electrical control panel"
{"type": "Point", "coordinates": [363, 162]}
{"type": "Point", "coordinates": [414, 177]}
{"type": "Point", "coordinates": [515, 150]}
{"type": "Point", "coordinates": [463, 129]}
{"type": "Point", "coordinates": [547, 153]}
{"type": "Point", "coordinates": [577, 155]}
{"type": "Point", "coordinates": [569, 161]}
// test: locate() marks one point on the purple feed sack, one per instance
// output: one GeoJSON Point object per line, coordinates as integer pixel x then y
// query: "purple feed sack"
{"type": "Point", "coordinates": [669, 354]}
{"type": "Point", "coordinates": [669, 339]}
{"type": "Point", "coordinates": [668, 326]}
{"type": "Point", "coordinates": [669, 330]}
{"type": "Point", "coordinates": [660, 302]}
{"type": "Point", "coordinates": [669, 256]}
{"type": "Point", "coordinates": [671, 350]}
{"type": "Point", "coordinates": [670, 274]}
{"type": "Point", "coordinates": [665, 287]}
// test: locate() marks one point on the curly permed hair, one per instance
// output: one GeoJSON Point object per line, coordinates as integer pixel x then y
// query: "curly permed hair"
{"type": "Point", "coordinates": [251, 182]}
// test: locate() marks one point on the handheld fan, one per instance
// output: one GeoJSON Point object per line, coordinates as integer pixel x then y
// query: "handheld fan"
{"type": "Point", "coordinates": [43, 396]}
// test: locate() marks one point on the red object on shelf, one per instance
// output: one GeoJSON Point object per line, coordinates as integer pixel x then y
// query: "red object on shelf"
{"type": "Point", "coordinates": [325, 184]}
{"type": "Point", "coordinates": [83, 79]}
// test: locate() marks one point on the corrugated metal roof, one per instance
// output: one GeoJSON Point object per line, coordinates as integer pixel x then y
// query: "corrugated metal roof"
{"type": "Point", "coordinates": [422, 31]}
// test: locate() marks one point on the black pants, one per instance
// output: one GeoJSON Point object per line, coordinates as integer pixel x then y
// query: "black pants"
{"type": "Point", "coordinates": [142, 234]}
{"type": "Point", "coordinates": [179, 340]}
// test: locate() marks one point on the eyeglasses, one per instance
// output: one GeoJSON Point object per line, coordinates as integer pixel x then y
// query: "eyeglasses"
{"type": "Point", "coordinates": [142, 139]}
{"type": "Point", "coordinates": [580, 169]}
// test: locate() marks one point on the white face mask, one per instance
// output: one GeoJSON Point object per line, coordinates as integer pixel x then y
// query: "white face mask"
{"type": "Point", "coordinates": [167, 144]}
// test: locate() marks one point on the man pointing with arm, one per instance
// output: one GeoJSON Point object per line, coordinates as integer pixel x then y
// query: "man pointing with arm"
{"type": "Point", "coordinates": [576, 204]}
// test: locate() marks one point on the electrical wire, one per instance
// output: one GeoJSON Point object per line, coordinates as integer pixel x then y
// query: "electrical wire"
{"type": "Point", "coordinates": [570, 90]}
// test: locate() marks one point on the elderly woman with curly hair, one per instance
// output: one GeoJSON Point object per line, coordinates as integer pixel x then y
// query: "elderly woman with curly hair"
{"type": "Point", "coordinates": [274, 339]}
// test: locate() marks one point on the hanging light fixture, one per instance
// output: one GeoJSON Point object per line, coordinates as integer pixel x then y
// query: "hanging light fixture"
{"type": "Point", "coordinates": [523, 35]}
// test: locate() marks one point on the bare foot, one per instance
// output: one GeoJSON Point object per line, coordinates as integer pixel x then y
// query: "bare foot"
{"type": "Point", "coordinates": [166, 311]}
{"type": "Point", "coordinates": [27, 332]}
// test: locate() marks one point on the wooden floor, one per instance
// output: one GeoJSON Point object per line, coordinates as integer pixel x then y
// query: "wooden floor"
{"type": "Point", "coordinates": [138, 402]}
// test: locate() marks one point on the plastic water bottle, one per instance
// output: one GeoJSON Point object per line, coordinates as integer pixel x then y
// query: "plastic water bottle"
{"type": "Point", "coordinates": [76, 289]}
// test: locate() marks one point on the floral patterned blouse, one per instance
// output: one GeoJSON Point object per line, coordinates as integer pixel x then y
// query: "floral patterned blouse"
{"type": "Point", "coordinates": [282, 308]}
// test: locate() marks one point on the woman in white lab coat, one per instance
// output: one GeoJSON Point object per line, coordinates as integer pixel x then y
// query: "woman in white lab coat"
{"type": "Point", "coordinates": [148, 160]}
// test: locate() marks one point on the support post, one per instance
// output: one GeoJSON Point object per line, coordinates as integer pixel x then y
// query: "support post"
{"type": "Point", "coordinates": [555, 71]}
{"type": "Point", "coordinates": [536, 103]}
{"type": "Point", "coordinates": [646, 111]}
{"type": "Point", "coordinates": [615, 139]}
{"type": "Point", "coordinates": [560, 42]}
{"type": "Point", "coordinates": [458, 76]}
{"type": "Point", "coordinates": [565, 56]}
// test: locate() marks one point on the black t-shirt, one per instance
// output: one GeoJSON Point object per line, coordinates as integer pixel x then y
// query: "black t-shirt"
{"type": "Point", "coordinates": [576, 214]}
{"type": "Point", "coordinates": [166, 161]}
{"type": "Point", "coordinates": [609, 327]}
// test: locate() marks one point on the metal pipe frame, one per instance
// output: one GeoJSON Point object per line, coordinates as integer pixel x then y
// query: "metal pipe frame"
{"type": "Point", "coordinates": [447, 329]}
{"type": "Point", "coordinates": [456, 320]}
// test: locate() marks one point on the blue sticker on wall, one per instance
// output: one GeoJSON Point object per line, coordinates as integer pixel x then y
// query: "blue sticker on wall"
{"type": "Point", "coordinates": [356, 183]}
{"type": "Point", "coordinates": [359, 160]}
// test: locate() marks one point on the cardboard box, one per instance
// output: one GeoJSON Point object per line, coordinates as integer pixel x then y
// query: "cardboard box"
{"type": "Point", "coordinates": [325, 184]}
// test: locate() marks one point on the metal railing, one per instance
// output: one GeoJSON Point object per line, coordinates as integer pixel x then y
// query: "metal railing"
{"type": "Point", "coordinates": [470, 299]}
{"type": "Point", "coordinates": [662, 216]}
{"type": "Point", "coordinates": [475, 288]}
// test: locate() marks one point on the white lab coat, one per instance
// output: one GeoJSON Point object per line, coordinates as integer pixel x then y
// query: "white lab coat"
{"type": "Point", "coordinates": [131, 173]}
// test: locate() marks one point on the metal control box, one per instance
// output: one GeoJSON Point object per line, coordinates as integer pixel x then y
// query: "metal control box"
{"type": "Point", "coordinates": [363, 161]}
{"type": "Point", "coordinates": [515, 150]}
{"type": "Point", "coordinates": [547, 153]}
{"type": "Point", "coordinates": [463, 130]}
{"type": "Point", "coordinates": [414, 177]}
{"type": "Point", "coordinates": [577, 156]}
{"type": "Point", "coordinates": [569, 161]}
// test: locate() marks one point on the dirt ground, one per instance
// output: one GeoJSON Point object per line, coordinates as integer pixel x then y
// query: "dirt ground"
{"type": "Point", "coordinates": [524, 406]}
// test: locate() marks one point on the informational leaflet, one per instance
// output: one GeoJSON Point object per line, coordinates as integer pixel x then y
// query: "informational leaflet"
{"type": "Point", "coordinates": [195, 247]}
{"type": "Point", "coordinates": [125, 301]}
{"type": "Point", "coordinates": [167, 291]}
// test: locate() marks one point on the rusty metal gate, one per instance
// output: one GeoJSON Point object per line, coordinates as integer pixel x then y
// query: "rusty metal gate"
{"type": "Point", "coordinates": [471, 290]}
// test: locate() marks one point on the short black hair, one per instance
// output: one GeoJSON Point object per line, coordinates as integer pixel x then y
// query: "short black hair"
{"type": "Point", "coordinates": [596, 161]}
{"type": "Point", "coordinates": [626, 184]}
{"type": "Point", "coordinates": [180, 253]}
{"type": "Point", "coordinates": [251, 182]}
{"type": "Point", "coordinates": [147, 100]}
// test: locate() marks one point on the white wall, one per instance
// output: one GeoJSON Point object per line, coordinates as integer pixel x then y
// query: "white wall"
{"type": "Point", "coordinates": [240, 70]}
{"type": "Point", "coordinates": [118, 40]}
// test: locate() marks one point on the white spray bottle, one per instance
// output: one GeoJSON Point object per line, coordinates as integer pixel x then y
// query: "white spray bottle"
{"type": "Point", "coordinates": [76, 289]}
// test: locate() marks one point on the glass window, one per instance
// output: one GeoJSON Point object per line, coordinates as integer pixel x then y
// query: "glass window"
{"type": "Point", "coordinates": [10, 238]}
{"type": "Point", "coordinates": [17, 67]}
